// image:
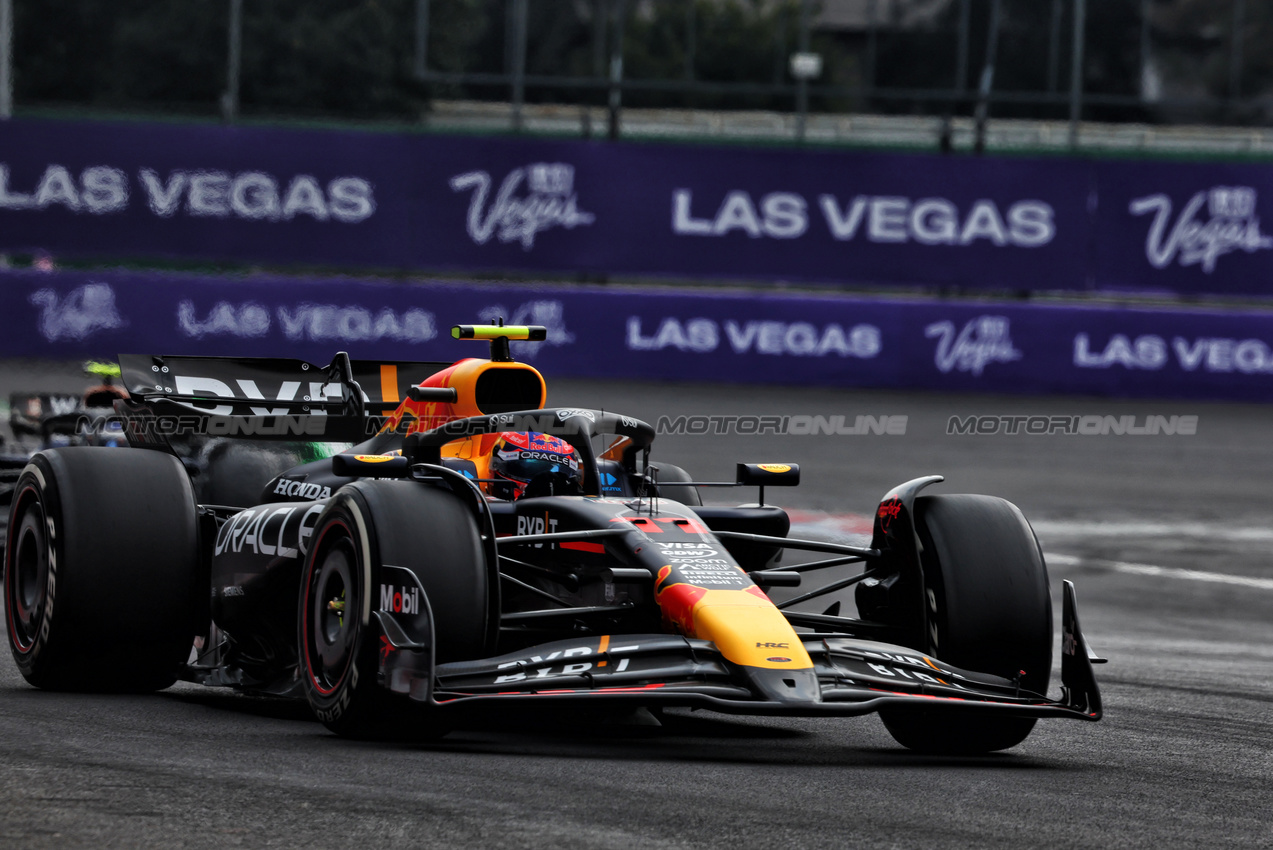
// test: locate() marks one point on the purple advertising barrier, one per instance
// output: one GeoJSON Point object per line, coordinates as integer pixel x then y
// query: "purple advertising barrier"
{"type": "Point", "coordinates": [362, 199]}
{"type": "Point", "coordinates": [1183, 228]}
{"type": "Point", "coordinates": [697, 212]}
{"type": "Point", "coordinates": [656, 334]}
{"type": "Point", "coordinates": [202, 192]}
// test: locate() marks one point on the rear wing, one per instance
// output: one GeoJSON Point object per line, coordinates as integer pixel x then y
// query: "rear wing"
{"type": "Point", "coordinates": [262, 397]}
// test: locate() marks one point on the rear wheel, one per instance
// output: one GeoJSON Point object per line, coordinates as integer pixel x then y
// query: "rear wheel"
{"type": "Point", "coordinates": [987, 610]}
{"type": "Point", "coordinates": [374, 538]}
{"type": "Point", "coordinates": [102, 570]}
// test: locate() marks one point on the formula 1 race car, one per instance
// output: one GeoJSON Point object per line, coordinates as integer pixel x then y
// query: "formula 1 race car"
{"type": "Point", "coordinates": [388, 586]}
{"type": "Point", "coordinates": [42, 420]}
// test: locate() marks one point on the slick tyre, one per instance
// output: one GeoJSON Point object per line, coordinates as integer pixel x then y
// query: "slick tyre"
{"type": "Point", "coordinates": [370, 536]}
{"type": "Point", "coordinates": [101, 578]}
{"type": "Point", "coordinates": [987, 610]}
{"type": "Point", "coordinates": [670, 480]}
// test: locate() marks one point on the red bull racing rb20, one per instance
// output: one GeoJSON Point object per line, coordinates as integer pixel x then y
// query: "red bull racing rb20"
{"type": "Point", "coordinates": [469, 546]}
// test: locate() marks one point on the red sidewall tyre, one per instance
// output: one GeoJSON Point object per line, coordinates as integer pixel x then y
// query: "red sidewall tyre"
{"type": "Point", "coordinates": [337, 645]}
{"type": "Point", "coordinates": [425, 530]}
{"type": "Point", "coordinates": [101, 578]}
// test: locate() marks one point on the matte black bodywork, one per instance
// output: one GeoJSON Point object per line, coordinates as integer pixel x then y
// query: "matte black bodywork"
{"type": "Point", "coordinates": [574, 579]}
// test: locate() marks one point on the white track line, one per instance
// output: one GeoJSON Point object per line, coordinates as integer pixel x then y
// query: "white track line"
{"type": "Point", "coordinates": [1163, 572]}
{"type": "Point", "coordinates": [861, 524]}
{"type": "Point", "coordinates": [855, 529]}
{"type": "Point", "coordinates": [1078, 528]}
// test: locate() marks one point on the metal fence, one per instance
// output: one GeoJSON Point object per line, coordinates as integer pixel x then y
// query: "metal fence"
{"type": "Point", "coordinates": [1157, 61]}
{"type": "Point", "coordinates": [1157, 31]}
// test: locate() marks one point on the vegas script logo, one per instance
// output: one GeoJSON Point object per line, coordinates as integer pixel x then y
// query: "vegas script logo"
{"type": "Point", "coordinates": [1232, 226]}
{"type": "Point", "coordinates": [549, 201]}
{"type": "Point", "coordinates": [982, 341]}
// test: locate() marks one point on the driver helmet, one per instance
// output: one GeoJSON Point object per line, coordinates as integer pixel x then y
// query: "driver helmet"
{"type": "Point", "coordinates": [528, 460]}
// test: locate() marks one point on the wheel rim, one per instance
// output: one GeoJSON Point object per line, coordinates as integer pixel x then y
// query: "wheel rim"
{"type": "Point", "coordinates": [27, 581]}
{"type": "Point", "coordinates": [332, 608]}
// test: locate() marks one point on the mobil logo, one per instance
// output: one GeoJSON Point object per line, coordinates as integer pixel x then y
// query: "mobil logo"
{"type": "Point", "coordinates": [399, 600]}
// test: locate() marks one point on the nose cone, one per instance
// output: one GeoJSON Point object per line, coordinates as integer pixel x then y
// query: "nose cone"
{"type": "Point", "coordinates": [759, 642]}
{"type": "Point", "coordinates": [789, 686]}
{"type": "Point", "coordinates": [749, 630]}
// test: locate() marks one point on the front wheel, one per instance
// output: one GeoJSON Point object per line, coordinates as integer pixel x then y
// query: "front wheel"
{"type": "Point", "coordinates": [986, 609]}
{"type": "Point", "coordinates": [377, 544]}
{"type": "Point", "coordinates": [337, 647]}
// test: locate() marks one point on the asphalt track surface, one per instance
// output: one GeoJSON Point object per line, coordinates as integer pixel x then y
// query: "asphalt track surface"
{"type": "Point", "coordinates": [1168, 539]}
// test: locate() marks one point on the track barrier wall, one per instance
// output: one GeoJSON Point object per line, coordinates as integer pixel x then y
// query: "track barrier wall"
{"type": "Point", "coordinates": [484, 205]}
{"type": "Point", "coordinates": [656, 334]}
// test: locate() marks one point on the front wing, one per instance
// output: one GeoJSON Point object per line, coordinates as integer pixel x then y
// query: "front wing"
{"type": "Point", "coordinates": [853, 676]}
